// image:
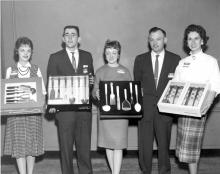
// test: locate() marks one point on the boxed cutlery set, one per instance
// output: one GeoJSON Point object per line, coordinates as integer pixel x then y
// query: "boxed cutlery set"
{"type": "Point", "coordinates": [184, 98]}
{"type": "Point", "coordinates": [21, 96]}
{"type": "Point", "coordinates": [122, 98]}
{"type": "Point", "coordinates": [69, 93]}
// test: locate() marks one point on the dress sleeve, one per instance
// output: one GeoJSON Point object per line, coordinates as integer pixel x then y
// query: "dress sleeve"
{"type": "Point", "coordinates": [128, 75]}
{"type": "Point", "coordinates": [43, 86]}
{"type": "Point", "coordinates": [96, 84]}
{"type": "Point", "coordinates": [8, 73]}
{"type": "Point", "coordinates": [215, 77]}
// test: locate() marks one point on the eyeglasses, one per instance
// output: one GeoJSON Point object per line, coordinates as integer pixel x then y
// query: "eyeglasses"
{"type": "Point", "coordinates": [70, 35]}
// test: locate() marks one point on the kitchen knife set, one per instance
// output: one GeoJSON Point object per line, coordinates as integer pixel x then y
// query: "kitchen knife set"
{"type": "Point", "coordinates": [67, 90]}
{"type": "Point", "coordinates": [22, 96]}
{"type": "Point", "coordinates": [19, 93]}
{"type": "Point", "coordinates": [120, 97]}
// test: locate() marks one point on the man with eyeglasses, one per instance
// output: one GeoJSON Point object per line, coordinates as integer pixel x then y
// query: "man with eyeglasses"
{"type": "Point", "coordinates": [73, 126]}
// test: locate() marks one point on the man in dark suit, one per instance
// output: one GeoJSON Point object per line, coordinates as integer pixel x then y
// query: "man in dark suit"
{"type": "Point", "coordinates": [154, 69]}
{"type": "Point", "coordinates": [73, 126]}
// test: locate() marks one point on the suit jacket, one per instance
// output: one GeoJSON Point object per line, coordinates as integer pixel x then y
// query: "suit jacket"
{"type": "Point", "coordinates": [60, 65]}
{"type": "Point", "coordinates": [143, 71]}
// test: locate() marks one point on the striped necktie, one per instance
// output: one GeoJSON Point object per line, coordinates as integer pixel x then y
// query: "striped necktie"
{"type": "Point", "coordinates": [73, 61]}
{"type": "Point", "coordinates": [156, 68]}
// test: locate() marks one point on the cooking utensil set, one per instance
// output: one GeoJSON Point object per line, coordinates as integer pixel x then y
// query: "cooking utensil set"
{"type": "Point", "coordinates": [68, 90]}
{"type": "Point", "coordinates": [120, 98]}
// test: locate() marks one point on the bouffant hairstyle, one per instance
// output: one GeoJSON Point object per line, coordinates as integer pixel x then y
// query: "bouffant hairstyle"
{"type": "Point", "coordinates": [112, 44]}
{"type": "Point", "coordinates": [201, 31]}
{"type": "Point", "coordinates": [22, 41]}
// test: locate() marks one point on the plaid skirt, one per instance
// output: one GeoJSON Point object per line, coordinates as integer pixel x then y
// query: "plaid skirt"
{"type": "Point", "coordinates": [24, 136]}
{"type": "Point", "coordinates": [190, 132]}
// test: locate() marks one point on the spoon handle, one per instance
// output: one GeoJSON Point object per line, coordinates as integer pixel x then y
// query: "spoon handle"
{"type": "Point", "coordinates": [118, 98]}
{"type": "Point", "coordinates": [106, 100]}
{"type": "Point", "coordinates": [136, 92]}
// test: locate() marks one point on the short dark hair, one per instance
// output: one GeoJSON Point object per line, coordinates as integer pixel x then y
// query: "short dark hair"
{"type": "Point", "coordinates": [112, 44]}
{"type": "Point", "coordinates": [71, 27]}
{"type": "Point", "coordinates": [22, 41]}
{"type": "Point", "coordinates": [201, 31]}
{"type": "Point", "coordinates": [63, 45]}
{"type": "Point", "coordinates": [154, 29]}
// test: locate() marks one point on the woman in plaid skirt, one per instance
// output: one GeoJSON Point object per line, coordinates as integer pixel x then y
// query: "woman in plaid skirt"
{"type": "Point", "coordinates": [198, 67]}
{"type": "Point", "coordinates": [24, 134]}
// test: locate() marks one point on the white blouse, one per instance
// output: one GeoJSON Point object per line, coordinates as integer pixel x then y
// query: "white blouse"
{"type": "Point", "coordinates": [199, 68]}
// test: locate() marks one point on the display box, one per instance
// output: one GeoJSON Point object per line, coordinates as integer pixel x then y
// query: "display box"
{"type": "Point", "coordinates": [121, 99]}
{"type": "Point", "coordinates": [21, 96]}
{"type": "Point", "coordinates": [184, 98]}
{"type": "Point", "coordinates": [66, 93]}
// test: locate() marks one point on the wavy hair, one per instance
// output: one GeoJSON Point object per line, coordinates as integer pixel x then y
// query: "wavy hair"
{"type": "Point", "coordinates": [202, 33]}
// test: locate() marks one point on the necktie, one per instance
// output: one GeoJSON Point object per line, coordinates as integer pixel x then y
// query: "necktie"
{"type": "Point", "coordinates": [156, 67]}
{"type": "Point", "coordinates": [73, 61]}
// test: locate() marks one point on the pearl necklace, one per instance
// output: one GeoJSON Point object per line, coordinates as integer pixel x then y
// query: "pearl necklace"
{"type": "Point", "coordinates": [24, 71]}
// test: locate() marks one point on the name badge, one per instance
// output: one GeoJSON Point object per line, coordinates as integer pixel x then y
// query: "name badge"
{"type": "Point", "coordinates": [186, 64]}
{"type": "Point", "coordinates": [85, 69]}
{"type": "Point", "coordinates": [120, 71]}
{"type": "Point", "coordinates": [170, 75]}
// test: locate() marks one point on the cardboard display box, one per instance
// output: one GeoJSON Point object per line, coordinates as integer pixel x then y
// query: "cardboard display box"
{"type": "Point", "coordinates": [120, 99]}
{"type": "Point", "coordinates": [21, 96]}
{"type": "Point", "coordinates": [69, 93]}
{"type": "Point", "coordinates": [184, 98]}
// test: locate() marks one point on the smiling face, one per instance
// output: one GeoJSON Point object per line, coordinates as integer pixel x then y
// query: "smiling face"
{"type": "Point", "coordinates": [71, 38]}
{"type": "Point", "coordinates": [24, 53]}
{"type": "Point", "coordinates": [112, 56]}
{"type": "Point", "coordinates": [157, 41]}
{"type": "Point", "coordinates": [194, 42]}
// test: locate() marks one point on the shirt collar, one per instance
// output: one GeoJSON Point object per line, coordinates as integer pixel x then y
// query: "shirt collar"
{"type": "Point", "coordinates": [26, 65]}
{"type": "Point", "coordinates": [76, 51]}
{"type": "Point", "coordinates": [161, 54]}
{"type": "Point", "coordinates": [194, 56]}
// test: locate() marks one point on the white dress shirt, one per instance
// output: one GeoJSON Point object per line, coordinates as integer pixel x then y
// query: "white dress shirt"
{"type": "Point", "coordinates": [160, 61]}
{"type": "Point", "coordinates": [76, 56]}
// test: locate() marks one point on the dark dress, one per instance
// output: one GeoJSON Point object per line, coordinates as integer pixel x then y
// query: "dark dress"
{"type": "Point", "coordinates": [112, 133]}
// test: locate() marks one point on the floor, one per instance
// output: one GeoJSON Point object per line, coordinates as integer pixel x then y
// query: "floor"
{"type": "Point", "coordinates": [50, 164]}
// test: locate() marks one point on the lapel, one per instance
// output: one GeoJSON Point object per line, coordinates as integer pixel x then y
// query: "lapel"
{"type": "Point", "coordinates": [164, 71]}
{"type": "Point", "coordinates": [150, 68]}
{"type": "Point", "coordinates": [149, 71]}
{"type": "Point", "coordinates": [80, 60]}
{"type": "Point", "coordinates": [66, 61]}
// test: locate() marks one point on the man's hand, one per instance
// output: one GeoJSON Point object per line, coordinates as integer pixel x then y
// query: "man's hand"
{"type": "Point", "coordinates": [52, 110]}
{"type": "Point", "coordinates": [91, 79]}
